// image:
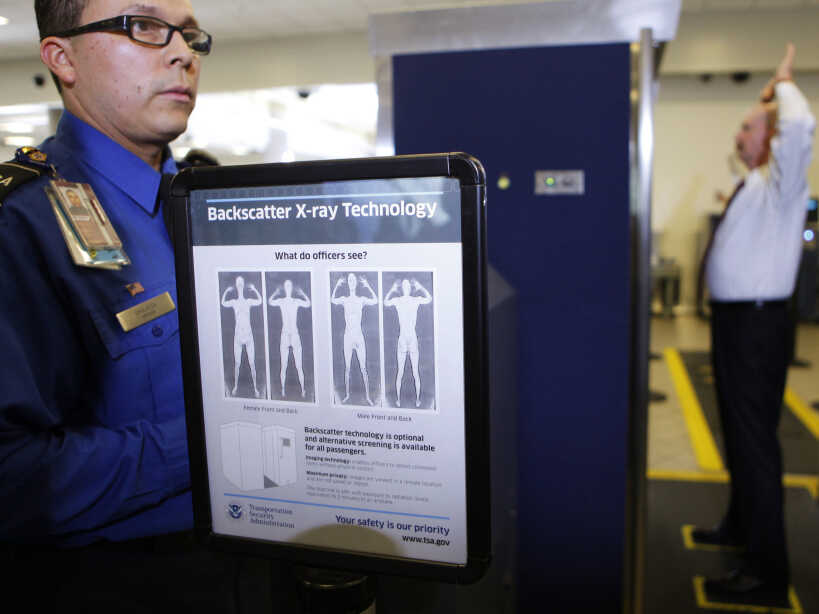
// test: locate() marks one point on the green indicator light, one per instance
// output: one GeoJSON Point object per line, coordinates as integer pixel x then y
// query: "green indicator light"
{"type": "Point", "coordinates": [550, 181]}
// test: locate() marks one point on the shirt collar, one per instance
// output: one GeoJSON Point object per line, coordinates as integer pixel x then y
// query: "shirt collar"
{"type": "Point", "coordinates": [124, 169]}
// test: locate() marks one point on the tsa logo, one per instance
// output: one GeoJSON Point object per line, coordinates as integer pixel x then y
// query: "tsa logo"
{"type": "Point", "coordinates": [234, 510]}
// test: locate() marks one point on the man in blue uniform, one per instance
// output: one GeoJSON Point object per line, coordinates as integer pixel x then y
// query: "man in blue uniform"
{"type": "Point", "coordinates": [93, 452]}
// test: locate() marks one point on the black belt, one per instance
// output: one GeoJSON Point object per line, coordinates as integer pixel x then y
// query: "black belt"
{"type": "Point", "coordinates": [759, 305]}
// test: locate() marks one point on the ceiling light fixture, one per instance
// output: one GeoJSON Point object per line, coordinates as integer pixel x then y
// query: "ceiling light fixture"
{"type": "Point", "coordinates": [3, 20]}
{"type": "Point", "coordinates": [19, 141]}
{"type": "Point", "coordinates": [17, 127]}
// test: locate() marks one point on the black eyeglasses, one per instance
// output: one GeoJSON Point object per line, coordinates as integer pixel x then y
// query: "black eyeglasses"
{"type": "Point", "coordinates": [146, 30]}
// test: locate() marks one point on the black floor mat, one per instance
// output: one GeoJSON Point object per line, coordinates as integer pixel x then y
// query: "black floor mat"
{"type": "Point", "coordinates": [799, 447]}
{"type": "Point", "coordinates": [671, 567]}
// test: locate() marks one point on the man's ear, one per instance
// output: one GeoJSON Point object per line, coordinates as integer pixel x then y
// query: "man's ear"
{"type": "Point", "coordinates": [57, 54]}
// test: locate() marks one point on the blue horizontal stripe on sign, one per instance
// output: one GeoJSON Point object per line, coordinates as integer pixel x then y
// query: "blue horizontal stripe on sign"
{"type": "Point", "coordinates": [337, 507]}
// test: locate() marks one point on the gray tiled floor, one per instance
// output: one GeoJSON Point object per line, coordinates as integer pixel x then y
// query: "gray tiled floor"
{"type": "Point", "coordinates": [669, 447]}
{"type": "Point", "coordinates": [673, 502]}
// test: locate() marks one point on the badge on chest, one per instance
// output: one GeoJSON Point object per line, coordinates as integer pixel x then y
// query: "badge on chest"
{"type": "Point", "coordinates": [88, 233]}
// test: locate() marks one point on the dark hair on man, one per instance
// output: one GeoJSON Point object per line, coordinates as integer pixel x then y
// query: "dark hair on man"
{"type": "Point", "coordinates": [57, 16]}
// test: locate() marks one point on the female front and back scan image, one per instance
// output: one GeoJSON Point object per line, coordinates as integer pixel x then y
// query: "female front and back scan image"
{"type": "Point", "coordinates": [381, 325]}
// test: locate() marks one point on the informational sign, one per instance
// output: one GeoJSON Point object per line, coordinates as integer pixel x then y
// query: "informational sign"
{"type": "Point", "coordinates": [331, 356]}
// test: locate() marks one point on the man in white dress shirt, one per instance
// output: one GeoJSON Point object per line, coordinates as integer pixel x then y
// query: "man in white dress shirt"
{"type": "Point", "coordinates": [751, 271]}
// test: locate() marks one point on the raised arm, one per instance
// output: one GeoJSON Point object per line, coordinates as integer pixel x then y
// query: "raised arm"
{"type": "Point", "coordinates": [425, 297]}
{"type": "Point", "coordinates": [784, 72]}
{"type": "Point", "coordinates": [225, 302]}
{"type": "Point", "coordinates": [389, 301]}
{"type": "Point", "coordinates": [272, 300]}
{"type": "Point", "coordinates": [334, 299]}
{"type": "Point", "coordinates": [373, 300]}
{"type": "Point", "coordinates": [305, 301]}
{"type": "Point", "coordinates": [255, 301]}
{"type": "Point", "coordinates": [792, 145]}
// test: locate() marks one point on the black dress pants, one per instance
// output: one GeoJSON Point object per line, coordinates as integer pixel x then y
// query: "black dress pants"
{"type": "Point", "coordinates": [750, 345]}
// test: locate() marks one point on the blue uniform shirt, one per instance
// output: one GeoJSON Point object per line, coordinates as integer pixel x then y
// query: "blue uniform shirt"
{"type": "Point", "coordinates": [92, 431]}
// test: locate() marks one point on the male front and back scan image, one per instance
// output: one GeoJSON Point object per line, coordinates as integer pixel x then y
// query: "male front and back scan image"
{"type": "Point", "coordinates": [356, 335]}
{"type": "Point", "coordinates": [409, 339]}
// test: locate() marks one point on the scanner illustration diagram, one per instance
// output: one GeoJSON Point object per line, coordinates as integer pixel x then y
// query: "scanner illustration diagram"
{"type": "Point", "coordinates": [256, 457]}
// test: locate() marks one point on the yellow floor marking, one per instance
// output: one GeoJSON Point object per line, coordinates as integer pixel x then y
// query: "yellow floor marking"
{"type": "Point", "coordinates": [808, 482]}
{"type": "Point", "coordinates": [806, 415]}
{"type": "Point", "coordinates": [721, 477]}
{"type": "Point", "coordinates": [789, 480]}
{"type": "Point", "coordinates": [705, 449]}
{"type": "Point", "coordinates": [702, 602]}
{"type": "Point", "coordinates": [689, 543]}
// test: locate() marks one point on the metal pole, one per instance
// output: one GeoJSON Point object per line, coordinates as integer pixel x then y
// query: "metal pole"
{"type": "Point", "coordinates": [642, 154]}
{"type": "Point", "coordinates": [329, 591]}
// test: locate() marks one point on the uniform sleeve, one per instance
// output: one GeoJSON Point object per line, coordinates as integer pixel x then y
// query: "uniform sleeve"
{"type": "Point", "coordinates": [792, 146]}
{"type": "Point", "coordinates": [61, 471]}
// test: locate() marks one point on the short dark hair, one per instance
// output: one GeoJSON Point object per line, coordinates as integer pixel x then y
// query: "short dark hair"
{"type": "Point", "coordinates": [57, 16]}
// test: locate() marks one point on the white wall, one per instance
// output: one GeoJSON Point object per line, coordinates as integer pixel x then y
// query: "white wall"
{"type": "Point", "coordinates": [299, 60]}
{"type": "Point", "coordinates": [695, 123]}
{"type": "Point", "coordinates": [753, 40]}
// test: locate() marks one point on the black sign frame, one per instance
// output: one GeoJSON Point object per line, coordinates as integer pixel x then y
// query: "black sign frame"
{"type": "Point", "coordinates": [472, 179]}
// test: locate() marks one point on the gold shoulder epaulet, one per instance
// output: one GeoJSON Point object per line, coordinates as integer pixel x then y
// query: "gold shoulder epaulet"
{"type": "Point", "coordinates": [28, 163]}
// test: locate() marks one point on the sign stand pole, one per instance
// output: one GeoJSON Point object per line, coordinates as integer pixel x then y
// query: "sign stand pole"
{"type": "Point", "coordinates": [329, 591]}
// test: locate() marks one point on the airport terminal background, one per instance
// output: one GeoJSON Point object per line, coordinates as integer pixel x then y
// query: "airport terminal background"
{"type": "Point", "coordinates": [306, 90]}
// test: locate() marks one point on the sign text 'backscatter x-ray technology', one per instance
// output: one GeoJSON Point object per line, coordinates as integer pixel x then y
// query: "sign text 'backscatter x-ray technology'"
{"type": "Point", "coordinates": [333, 337]}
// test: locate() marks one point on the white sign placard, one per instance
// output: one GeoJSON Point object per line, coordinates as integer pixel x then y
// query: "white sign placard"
{"type": "Point", "coordinates": [330, 322]}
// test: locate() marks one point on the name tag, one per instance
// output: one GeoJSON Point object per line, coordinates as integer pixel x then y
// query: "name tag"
{"type": "Point", "coordinates": [145, 312]}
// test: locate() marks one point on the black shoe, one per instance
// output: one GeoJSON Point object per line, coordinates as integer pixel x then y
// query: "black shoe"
{"type": "Point", "coordinates": [718, 536]}
{"type": "Point", "coordinates": [744, 587]}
